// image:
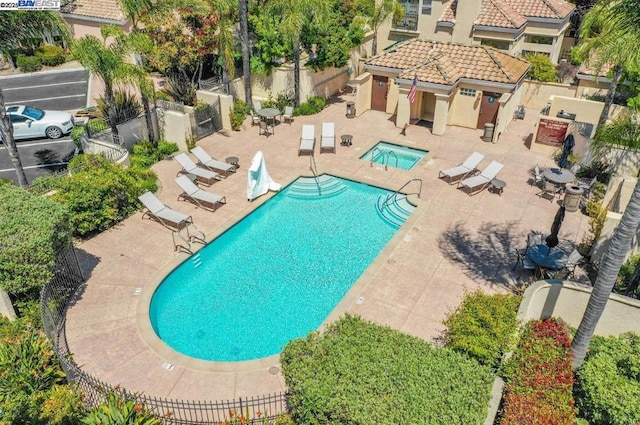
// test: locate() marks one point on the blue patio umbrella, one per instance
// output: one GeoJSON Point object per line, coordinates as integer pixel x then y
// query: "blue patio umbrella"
{"type": "Point", "coordinates": [567, 149]}
{"type": "Point", "coordinates": [552, 240]}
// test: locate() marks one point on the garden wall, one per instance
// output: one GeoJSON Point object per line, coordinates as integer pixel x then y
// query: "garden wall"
{"type": "Point", "coordinates": [568, 301]}
{"type": "Point", "coordinates": [535, 94]}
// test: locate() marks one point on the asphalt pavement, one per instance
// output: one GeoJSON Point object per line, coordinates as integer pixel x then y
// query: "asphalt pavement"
{"type": "Point", "coordinates": [61, 90]}
{"type": "Point", "coordinates": [39, 157]}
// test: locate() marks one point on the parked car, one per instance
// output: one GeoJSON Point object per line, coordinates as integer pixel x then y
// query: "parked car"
{"type": "Point", "coordinates": [31, 122]}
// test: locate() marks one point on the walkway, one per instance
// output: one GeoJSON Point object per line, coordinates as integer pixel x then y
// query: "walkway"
{"type": "Point", "coordinates": [451, 244]}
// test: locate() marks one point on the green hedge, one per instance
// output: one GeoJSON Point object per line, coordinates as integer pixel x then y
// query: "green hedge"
{"type": "Point", "coordinates": [33, 229]}
{"type": "Point", "coordinates": [539, 377]}
{"type": "Point", "coordinates": [51, 55]}
{"type": "Point", "coordinates": [357, 372]}
{"type": "Point", "coordinates": [483, 327]}
{"type": "Point", "coordinates": [608, 382]}
{"type": "Point", "coordinates": [144, 154]}
{"type": "Point", "coordinates": [313, 105]}
{"type": "Point", "coordinates": [29, 63]}
{"type": "Point", "coordinates": [99, 193]}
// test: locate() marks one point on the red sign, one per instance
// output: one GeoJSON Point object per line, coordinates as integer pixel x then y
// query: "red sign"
{"type": "Point", "coordinates": [551, 132]}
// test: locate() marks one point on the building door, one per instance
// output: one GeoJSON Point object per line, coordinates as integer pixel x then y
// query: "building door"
{"type": "Point", "coordinates": [488, 109]}
{"type": "Point", "coordinates": [428, 106]}
{"type": "Point", "coordinates": [379, 93]}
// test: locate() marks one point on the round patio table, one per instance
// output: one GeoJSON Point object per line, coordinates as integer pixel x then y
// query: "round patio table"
{"type": "Point", "coordinates": [558, 175]}
{"type": "Point", "coordinates": [269, 114]}
{"type": "Point", "coordinates": [547, 258]}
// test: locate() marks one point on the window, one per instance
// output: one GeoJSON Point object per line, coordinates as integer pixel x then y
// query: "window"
{"type": "Point", "coordinates": [410, 20]}
{"type": "Point", "coordinates": [426, 7]}
{"type": "Point", "coordinates": [17, 118]}
{"type": "Point", "coordinates": [468, 92]}
{"type": "Point", "coordinates": [498, 44]}
{"type": "Point", "coordinates": [538, 39]}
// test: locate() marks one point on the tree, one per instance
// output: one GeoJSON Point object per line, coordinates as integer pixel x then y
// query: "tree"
{"type": "Point", "coordinates": [378, 13]}
{"type": "Point", "coordinates": [610, 37]}
{"type": "Point", "coordinates": [6, 136]}
{"type": "Point", "coordinates": [542, 69]}
{"type": "Point", "coordinates": [611, 263]}
{"type": "Point", "coordinates": [23, 31]}
{"type": "Point", "coordinates": [109, 61]}
{"type": "Point", "coordinates": [295, 15]}
{"type": "Point", "coordinates": [243, 11]}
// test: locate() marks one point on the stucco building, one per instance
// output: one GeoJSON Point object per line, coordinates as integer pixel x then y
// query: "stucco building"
{"type": "Point", "coordinates": [85, 17]}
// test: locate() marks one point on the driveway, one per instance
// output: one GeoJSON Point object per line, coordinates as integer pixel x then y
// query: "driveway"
{"type": "Point", "coordinates": [39, 157]}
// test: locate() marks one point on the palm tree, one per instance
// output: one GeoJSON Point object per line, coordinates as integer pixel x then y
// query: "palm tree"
{"type": "Point", "coordinates": [6, 136]}
{"type": "Point", "coordinates": [379, 14]}
{"type": "Point", "coordinates": [611, 263]}
{"type": "Point", "coordinates": [609, 38]}
{"type": "Point", "coordinates": [243, 11]}
{"type": "Point", "coordinates": [227, 18]}
{"type": "Point", "coordinates": [295, 14]}
{"type": "Point", "coordinates": [109, 61]}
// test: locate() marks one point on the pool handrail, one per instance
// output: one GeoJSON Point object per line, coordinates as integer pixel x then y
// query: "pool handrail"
{"type": "Point", "coordinates": [386, 164]}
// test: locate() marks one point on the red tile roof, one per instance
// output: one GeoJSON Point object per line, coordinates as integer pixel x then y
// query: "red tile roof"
{"type": "Point", "coordinates": [102, 9]}
{"type": "Point", "coordinates": [446, 63]}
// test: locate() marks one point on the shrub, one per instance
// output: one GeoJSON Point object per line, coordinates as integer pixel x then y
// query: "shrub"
{"type": "Point", "coordinates": [144, 154]}
{"type": "Point", "coordinates": [180, 89]}
{"type": "Point", "coordinates": [539, 378]}
{"type": "Point", "coordinates": [50, 55]}
{"type": "Point", "coordinates": [63, 406]}
{"type": "Point", "coordinates": [238, 113]}
{"type": "Point", "coordinates": [358, 372]}
{"type": "Point", "coordinates": [314, 105]}
{"type": "Point", "coordinates": [125, 106]}
{"type": "Point", "coordinates": [166, 148]}
{"type": "Point", "coordinates": [542, 69]}
{"type": "Point", "coordinates": [100, 193]}
{"type": "Point", "coordinates": [627, 281]}
{"type": "Point", "coordinates": [483, 327]}
{"type": "Point", "coordinates": [29, 63]}
{"type": "Point", "coordinates": [118, 411]}
{"type": "Point", "coordinates": [77, 131]}
{"type": "Point", "coordinates": [608, 382]}
{"type": "Point", "coordinates": [33, 230]}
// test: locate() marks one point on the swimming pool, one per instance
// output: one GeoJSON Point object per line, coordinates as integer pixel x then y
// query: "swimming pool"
{"type": "Point", "coordinates": [399, 156]}
{"type": "Point", "coordinates": [275, 275]}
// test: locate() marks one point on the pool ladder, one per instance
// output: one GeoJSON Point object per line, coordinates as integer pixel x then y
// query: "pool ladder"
{"type": "Point", "coordinates": [314, 170]}
{"type": "Point", "coordinates": [386, 155]}
{"type": "Point", "coordinates": [183, 242]}
{"type": "Point", "coordinates": [394, 195]}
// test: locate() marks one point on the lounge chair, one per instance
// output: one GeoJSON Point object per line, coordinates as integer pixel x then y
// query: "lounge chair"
{"type": "Point", "coordinates": [477, 183]}
{"type": "Point", "coordinates": [203, 175]}
{"type": "Point", "coordinates": [288, 114]}
{"type": "Point", "coordinates": [164, 215]}
{"type": "Point", "coordinates": [206, 161]}
{"type": "Point", "coordinates": [201, 198]}
{"type": "Point", "coordinates": [308, 139]}
{"type": "Point", "coordinates": [469, 166]}
{"type": "Point", "coordinates": [328, 139]}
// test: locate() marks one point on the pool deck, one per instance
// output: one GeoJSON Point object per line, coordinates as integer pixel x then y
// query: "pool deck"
{"type": "Point", "coordinates": [451, 244]}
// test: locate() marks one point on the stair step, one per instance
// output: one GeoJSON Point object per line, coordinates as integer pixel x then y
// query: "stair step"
{"type": "Point", "coordinates": [396, 211]}
{"type": "Point", "coordinates": [307, 187]}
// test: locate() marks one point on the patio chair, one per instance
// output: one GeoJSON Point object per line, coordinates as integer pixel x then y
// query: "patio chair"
{"type": "Point", "coordinates": [307, 140]}
{"type": "Point", "coordinates": [266, 128]}
{"type": "Point", "coordinates": [536, 176]}
{"type": "Point", "coordinates": [574, 260]}
{"type": "Point", "coordinates": [328, 138]}
{"type": "Point", "coordinates": [164, 215]}
{"type": "Point", "coordinates": [587, 184]}
{"type": "Point", "coordinates": [477, 183]}
{"type": "Point", "coordinates": [202, 175]}
{"type": "Point", "coordinates": [288, 114]}
{"type": "Point", "coordinates": [206, 161]}
{"type": "Point", "coordinates": [549, 190]}
{"type": "Point", "coordinates": [533, 239]}
{"type": "Point", "coordinates": [469, 166]}
{"type": "Point", "coordinates": [255, 118]}
{"type": "Point", "coordinates": [257, 105]}
{"type": "Point", "coordinates": [192, 193]}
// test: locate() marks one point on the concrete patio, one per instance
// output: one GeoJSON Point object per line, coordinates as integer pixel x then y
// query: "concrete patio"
{"type": "Point", "coordinates": [451, 244]}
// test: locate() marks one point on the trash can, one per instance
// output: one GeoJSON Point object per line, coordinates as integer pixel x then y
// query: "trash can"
{"type": "Point", "coordinates": [572, 197]}
{"type": "Point", "coordinates": [488, 132]}
{"type": "Point", "coordinates": [351, 109]}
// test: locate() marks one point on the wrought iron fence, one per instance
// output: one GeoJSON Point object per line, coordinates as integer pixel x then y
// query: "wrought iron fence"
{"type": "Point", "coordinates": [62, 291]}
{"type": "Point", "coordinates": [170, 106]}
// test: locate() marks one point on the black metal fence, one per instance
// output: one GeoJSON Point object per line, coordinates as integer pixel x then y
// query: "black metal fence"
{"type": "Point", "coordinates": [62, 292]}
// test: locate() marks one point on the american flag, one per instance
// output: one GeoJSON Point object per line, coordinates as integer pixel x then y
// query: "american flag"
{"type": "Point", "coordinates": [414, 87]}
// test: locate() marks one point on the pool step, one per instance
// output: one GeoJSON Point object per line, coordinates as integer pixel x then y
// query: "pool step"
{"type": "Point", "coordinates": [196, 260]}
{"type": "Point", "coordinates": [396, 210]}
{"type": "Point", "coordinates": [309, 187]}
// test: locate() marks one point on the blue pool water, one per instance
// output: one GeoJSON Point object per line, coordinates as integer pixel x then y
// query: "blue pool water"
{"type": "Point", "coordinates": [274, 276]}
{"type": "Point", "coordinates": [386, 153]}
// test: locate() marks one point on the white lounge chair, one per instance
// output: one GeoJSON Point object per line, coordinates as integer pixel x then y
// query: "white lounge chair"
{"type": "Point", "coordinates": [308, 139]}
{"type": "Point", "coordinates": [201, 198]}
{"type": "Point", "coordinates": [206, 161]}
{"type": "Point", "coordinates": [164, 215]}
{"type": "Point", "coordinates": [328, 139]}
{"type": "Point", "coordinates": [203, 175]}
{"type": "Point", "coordinates": [477, 183]}
{"type": "Point", "coordinates": [469, 166]}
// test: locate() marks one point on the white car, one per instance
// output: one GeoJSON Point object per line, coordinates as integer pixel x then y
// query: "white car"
{"type": "Point", "coordinates": [29, 122]}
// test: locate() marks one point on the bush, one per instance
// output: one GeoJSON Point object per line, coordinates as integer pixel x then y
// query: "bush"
{"type": "Point", "coordinates": [358, 372]}
{"type": "Point", "coordinates": [539, 377]}
{"type": "Point", "coordinates": [314, 105]}
{"type": "Point", "coordinates": [115, 407]}
{"type": "Point", "coordinates": [627, 280]}
{"type": "Point", "coordinates": [608, 382]}
{"type": "Point", "coordinates": [483, 327]}
{"type": "Point", "coordinates": [125, 106]}
{"type": "Point", "coordinates": [29, 63]}
{"type": "Point", "coordinates": [144, 154]}
{"type": "Point", "coordinates": [77, 131]}
{"type": "Point", "coordinates": [542, 69]}
{"type": "Point", "coordinates": [166, 148]}
{"type": "Point", "coordinates": [100, 193]}
{"type": "Point", "coordinates": [63, 406]}
{"type": "Point", "coordinates": [33, 230]}
{"type": "Point", "coordinates": [50, 55]}
{"type": "Point", "coordinates": [238, 113]}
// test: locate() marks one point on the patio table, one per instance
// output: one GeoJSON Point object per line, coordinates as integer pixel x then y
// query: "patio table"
{"type": "Point", "coordinates": [269, 114]}
{"type": "Point", "coordinates": [558, 176]}
{"type": "Point", "coordinates": [547, 258]}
